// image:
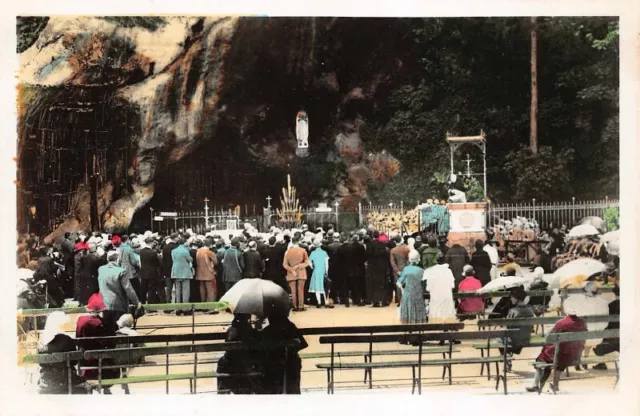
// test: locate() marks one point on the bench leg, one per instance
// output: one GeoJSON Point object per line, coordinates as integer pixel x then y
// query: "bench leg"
{"type": "Point", "coordinates": [328, 381]}
{"type": "Point", "coordinates": [497, 376]}
{"type": "Point", "coordinates": [366, 372]}
{"type": "Point", "coordinates": [413, 379]}
{"type": "Point", "coordinates": [450, 381]}
{"type": "Point", "coordinates": [488, 369]}
{"type": "Point", "coordinates": [444, 367]}
{"type": "Point", "coordinates": [481, 364]}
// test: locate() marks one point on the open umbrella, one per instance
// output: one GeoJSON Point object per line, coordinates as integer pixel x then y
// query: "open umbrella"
{"type": "Point", "coordinates": [579, 267]}
{"type": "Point", "coordinates": [595, 221]}
{"type": "Point", "coordinates": [503, 283]}
{"type": "Point", "coordinates": [583, 230]}
{"type": "Point", "coordinates": [585, 305]}
{"type": "Point", "coordinates": [611, 241]}
{"type": "Point", "coordinates": [258, 297]}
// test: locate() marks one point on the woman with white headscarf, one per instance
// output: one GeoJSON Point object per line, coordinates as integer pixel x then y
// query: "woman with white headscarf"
{"type": "Point", "coordinates": [54, 377]}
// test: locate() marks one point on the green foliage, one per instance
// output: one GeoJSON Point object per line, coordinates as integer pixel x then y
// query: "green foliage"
{"type": "Point", "coordinates": [151, 23]}
{"type": "Point", "coordinates": [542, 176]}
{"type": "Point", "coordinates": [474, 73]}
{"type": "Point", "coordinates": [611, 217]}
{"type": "Point", "coordinates": [474, 190]}
{"type": "Point", "coordinates": [28, 29]}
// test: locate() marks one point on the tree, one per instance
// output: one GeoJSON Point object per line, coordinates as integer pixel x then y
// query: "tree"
{"type": "Point", "coordinates": [533, 134]}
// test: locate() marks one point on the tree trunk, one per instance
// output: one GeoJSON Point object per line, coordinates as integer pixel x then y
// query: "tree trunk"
{"type": "Point", "coordinates": [533, 134]}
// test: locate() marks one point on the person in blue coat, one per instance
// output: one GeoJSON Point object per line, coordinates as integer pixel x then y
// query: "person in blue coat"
{"type": "Point", "coordinates": [319, 260]}
{"type": "Point", "coordinates": [412, 308]}
{"type": "Point", "coordinates": [182, 272]}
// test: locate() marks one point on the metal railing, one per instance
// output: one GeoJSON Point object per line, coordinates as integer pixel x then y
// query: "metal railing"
{"type": "Point", "coordinates": [549, 214]}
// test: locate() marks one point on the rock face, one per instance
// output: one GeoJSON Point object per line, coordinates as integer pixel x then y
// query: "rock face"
{"type": "Point", "coordinates": [182, 81]}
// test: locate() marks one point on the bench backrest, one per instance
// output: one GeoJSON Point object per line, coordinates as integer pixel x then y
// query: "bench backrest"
{"type": "Point", "coordinates": [149, 308]}
{"type": "Point", "coordinates": [561, 337]}
{"type": "Point", "coordinates": [543, 321]}
{"type": "Point", "coordinates": [134, 353]}
{"type": "Point", "coordinates": [148, 339]}
{"type": "Point", "coordinates": [414, 338]}
{"type": "Point", "coordinates": [381, 329]}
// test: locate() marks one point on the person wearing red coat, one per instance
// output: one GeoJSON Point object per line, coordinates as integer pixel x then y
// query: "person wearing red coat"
{"type": "Point", "coordinates": [90, 326]}
{"type": "Point", "coordinates": [569, 351]}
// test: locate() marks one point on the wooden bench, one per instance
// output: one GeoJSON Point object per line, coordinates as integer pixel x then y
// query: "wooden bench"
{"type": "Point", "coordinates": [418, 363]}
{"type": "Point", "coordinates": [559, 338]}
{"type": "Point", "coordinates": [536, 341]}
{"type": "Point", "coordinates": [132, 354]}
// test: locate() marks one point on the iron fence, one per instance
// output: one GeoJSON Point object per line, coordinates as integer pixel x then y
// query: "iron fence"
{"type": "Point", "coordinates": [550, 214]}
{"type": "Point", "coordinates": [197, 221]}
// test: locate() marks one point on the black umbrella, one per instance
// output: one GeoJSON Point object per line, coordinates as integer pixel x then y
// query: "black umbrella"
{"type": "Point", "coordinates": [258, 297]}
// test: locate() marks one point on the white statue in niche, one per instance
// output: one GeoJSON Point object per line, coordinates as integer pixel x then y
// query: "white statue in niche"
{"type": "Point", "coordinates": [302, 133]}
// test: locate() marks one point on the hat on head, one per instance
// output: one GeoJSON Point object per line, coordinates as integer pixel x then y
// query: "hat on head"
{"type": "Point", "coordinates": [414, 256]}
{"type": "Point", "coordinates": [538, 273]}
{"type": "Point", "coordinates": [518, 292]}
{"type": "Point", "coordinates": [317, 242]}
{"type": "Point", "coordinates": [125, 321]}
{"type": "Point", "coordinates": [96, 303]}
{"type": "Point", "coordinates": [467, 270]}
{"type": "Point", "coordinates": [54, 326]}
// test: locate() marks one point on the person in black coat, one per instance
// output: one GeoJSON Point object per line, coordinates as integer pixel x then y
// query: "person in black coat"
{"type": "Point", "coordinates": [275, 363]}
{"type": "Point", "coordinates": [378, 270]}
{"type": "Point", "coordinates": [167, 264]}
{"type": "Point", "coordinates": [88, 275]}
{"type": "Point", "coordinates": [274, 257]}
{"type": "Point", "coordinates": [481, 263]}
{"type": "Point", "coordinates": [240, 362]}
{"type": "Point", "coordinates": [609, 345]}
{"type": "Point", "coordinates": [353, 257]}
{"type": "Point", "coordinates": [253, 263]}
{"type": "Point", "coordinates": [335, 271]}
{"type": "Point", "coordinates": [151, 274]}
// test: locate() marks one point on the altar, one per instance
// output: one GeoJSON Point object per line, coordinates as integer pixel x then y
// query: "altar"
{"type": "Point", "coordinates": [467, 219]}
{"type": "Point", "coordinates": [467, 223]}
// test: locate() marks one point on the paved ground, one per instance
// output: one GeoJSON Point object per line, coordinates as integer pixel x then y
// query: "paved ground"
{"type": "Point", "coordinates": [466, 378]}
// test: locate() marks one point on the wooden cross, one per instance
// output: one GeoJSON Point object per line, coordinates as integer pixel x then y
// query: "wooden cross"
{"type": "Point", "coordinates": [468, 165]}
{"type": "Point", "coordinates": [268, 201]}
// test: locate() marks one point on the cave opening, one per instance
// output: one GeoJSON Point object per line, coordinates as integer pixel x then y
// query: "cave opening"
{"type": "Point", "coordinates": [75, 150]}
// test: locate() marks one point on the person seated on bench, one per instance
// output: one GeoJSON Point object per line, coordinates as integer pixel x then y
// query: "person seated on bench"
{"type": "Point", "coordinates": [501, 310]}
{"type": "Point", "coordinates": [519, 310]}
{"type": "Point", "coordinates": [54, 377]}
{"type": "Point", "coordinates": [609, 345]}
{"type": "Point", "coordinates": [274, 366]}
{"type": "Point", "coordinates": [412, 309]}
{"type": "Point", "coordinates": [125, 324]}
{"type": "Point", "coordinates": [90, 326]}
{"type": "Point", "coordinates": [239, 362]}
{"type": "Point", "coordinates": [569, 351]}
{"type": "Point", "coordinates": [511, 264]}
{"type": "Point", "coordinates": [539, 303]}
{"type": "Point", "coordinates": [470, 284]}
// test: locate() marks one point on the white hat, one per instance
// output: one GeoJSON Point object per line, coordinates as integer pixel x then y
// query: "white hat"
{"type": "Point", "coordinates": [538, 273]}
{"type": "Point", "coordinates": [54, 326]}
{"type": "Point", "coordinates": [414, 256]}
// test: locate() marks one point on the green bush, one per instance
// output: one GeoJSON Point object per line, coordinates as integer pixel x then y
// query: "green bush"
{"type": "Point", "coordinates": [611, 217]}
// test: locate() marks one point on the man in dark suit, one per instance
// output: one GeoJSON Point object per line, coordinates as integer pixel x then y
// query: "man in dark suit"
{"type": "Point", "coordinates": [151, 274]}
{"type": "Point", "coordinates": [167, 264]}
{"type": "Point", "coordinates": [335, 270]}
{"type": "Point", "coordinates": [353, 258]}
{"type": "Point", "coordinates": [273, 258]}
{"type": "Point", "coordinates": [253, 263]}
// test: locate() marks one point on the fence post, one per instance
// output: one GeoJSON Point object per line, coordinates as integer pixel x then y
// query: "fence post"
{"type": "Point", "coordinates": [606, 198]}
{"type": "Point", "coordinates": [573, 199]}
{"type": "Point", "coordinates": [359, 214]}
{"type": "Point", "coordinates": [533, 209]}
{"type": "Point", "coordinates": [337, 204]}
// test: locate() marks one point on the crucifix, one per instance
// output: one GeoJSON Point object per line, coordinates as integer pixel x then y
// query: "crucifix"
{"type": "Point", "coordinates": [269, 201]}
{"type": "Point", "coordinates": [206, 213]}
{"type": "Point", "coordinates": [468, 165]}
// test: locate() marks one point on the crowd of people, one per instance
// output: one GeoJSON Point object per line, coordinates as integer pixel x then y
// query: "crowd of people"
{"type": "Point", "coordinates": [114, 275]}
